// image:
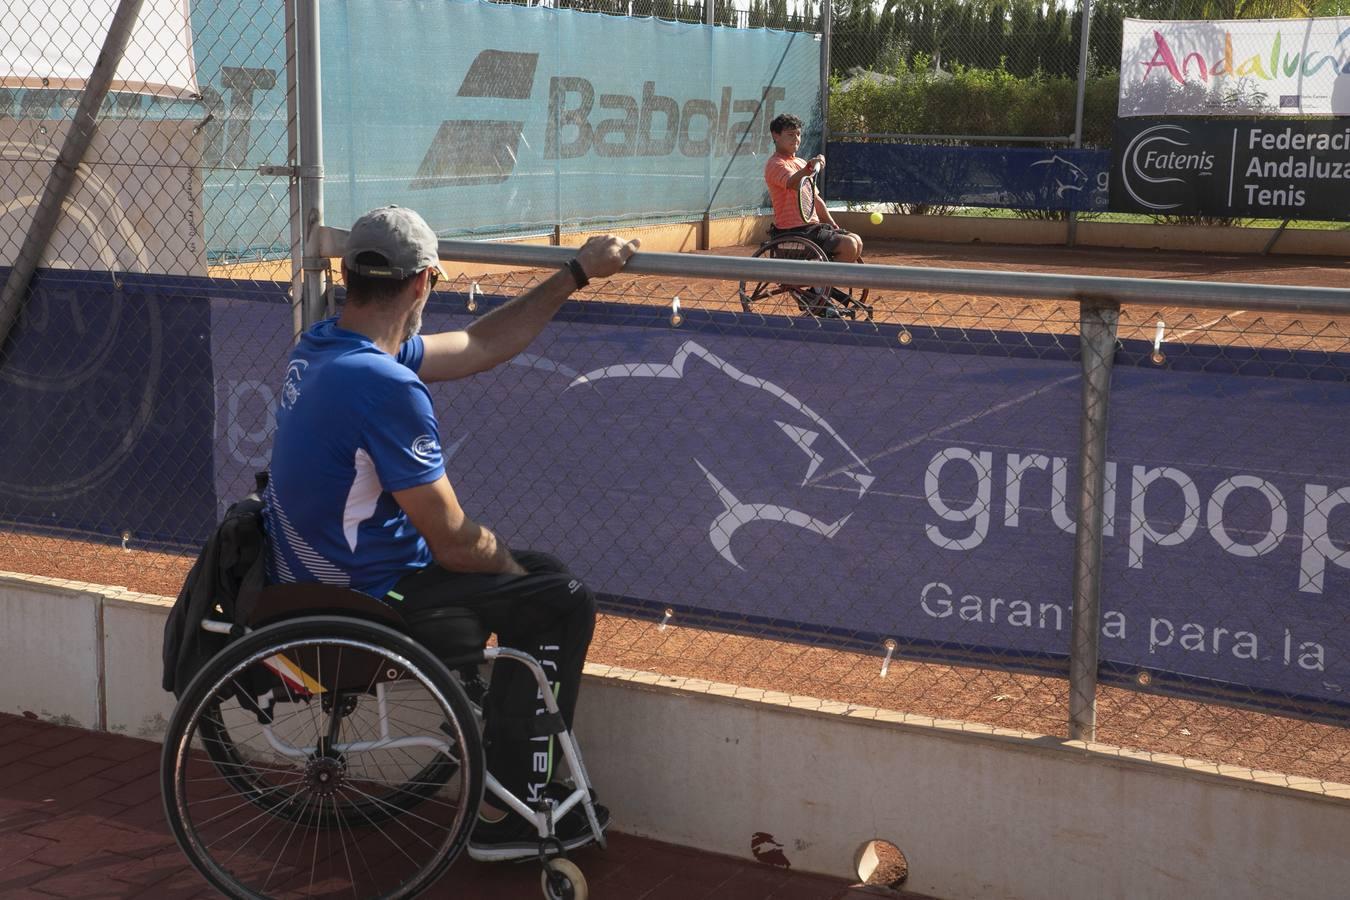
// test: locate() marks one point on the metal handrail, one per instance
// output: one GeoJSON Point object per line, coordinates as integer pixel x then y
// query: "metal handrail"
{"type": "Point", "coordinates": [981, 138]}
{"type": "Point", "coordinates": [1038, 285]}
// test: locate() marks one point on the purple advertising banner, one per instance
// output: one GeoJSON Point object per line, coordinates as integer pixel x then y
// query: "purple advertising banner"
{"type": "Point", "coordinates": [831, 483]}
{"type": "Point", "coordinates": [105, 408]}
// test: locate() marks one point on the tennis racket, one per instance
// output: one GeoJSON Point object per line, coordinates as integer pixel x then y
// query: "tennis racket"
{"type": "Point", "coordinates": [807, 198]}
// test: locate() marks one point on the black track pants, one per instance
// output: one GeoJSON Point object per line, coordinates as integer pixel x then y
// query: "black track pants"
{"type": "Point", "coordinates": [549, 614]}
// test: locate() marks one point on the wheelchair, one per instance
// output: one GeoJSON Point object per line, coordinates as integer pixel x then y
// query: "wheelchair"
{"type": "Point", "coordinates": [325, 752]}
{"type": "Point", "coordinates": [821, 301]}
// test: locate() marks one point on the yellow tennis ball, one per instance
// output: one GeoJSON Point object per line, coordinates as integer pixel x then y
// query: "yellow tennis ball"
{"type": "Point", "coordinates": [876, 218]}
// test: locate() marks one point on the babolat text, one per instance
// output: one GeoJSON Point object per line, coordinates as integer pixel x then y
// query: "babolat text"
{"type": "Point", "coordinates": [651, 124]}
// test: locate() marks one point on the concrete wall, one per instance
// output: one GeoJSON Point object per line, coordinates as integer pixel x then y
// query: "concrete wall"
{"type": "Point", "coordinates": [750, 230]}
{"type": "Point", "coordinates": [964, 230]}
{"type": "Point", "coordinates": [1193, 238]}
{"type": "Point", "coordinates": [685, 237]}
{"type": "Point", "coordinates": [969, 229]}
{"type": "Point", "coordinates": [979, 811]}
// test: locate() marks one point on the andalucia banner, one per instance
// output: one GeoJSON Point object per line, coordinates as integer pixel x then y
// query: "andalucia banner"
{"type": "Point", "coordinates": [1291, 67]}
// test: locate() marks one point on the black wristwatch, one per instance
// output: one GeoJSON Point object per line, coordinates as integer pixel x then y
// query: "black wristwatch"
{"type": "Point", "coordinates": [578, 273]}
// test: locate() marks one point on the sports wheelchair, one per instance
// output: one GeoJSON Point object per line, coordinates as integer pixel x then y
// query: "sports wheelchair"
{"type": "Point", "coordinates": [325, 752]}
{"type": "Point", "coordinates": [822, 301]}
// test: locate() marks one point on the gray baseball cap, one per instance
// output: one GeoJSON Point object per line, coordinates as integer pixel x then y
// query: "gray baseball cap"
{"type": "Point", "coordinates": [400, 236]}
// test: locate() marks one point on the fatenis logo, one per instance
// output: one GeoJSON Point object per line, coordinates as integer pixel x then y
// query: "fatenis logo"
{"type": "Point", "coordinates": [1159, 167]}
{"type": "Point", "coordinates": [290, 388]}
{"type": "Point", "coordinates": [580, 122]}
{"type": "Point", "coordinates": [426, 448]}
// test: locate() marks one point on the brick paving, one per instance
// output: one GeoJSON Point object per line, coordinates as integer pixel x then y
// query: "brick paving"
{"type": "Point", "coordinates": [80, 817]}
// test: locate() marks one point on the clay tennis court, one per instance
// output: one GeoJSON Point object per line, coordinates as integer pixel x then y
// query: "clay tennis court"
{"type": "Point", "coordinates": [1211, 733]}
{"type": "Point", "coordinates": [1227, 326]}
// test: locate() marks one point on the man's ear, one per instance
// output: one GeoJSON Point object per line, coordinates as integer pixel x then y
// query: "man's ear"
{"type": "Point", "coordinates": [419, 288]}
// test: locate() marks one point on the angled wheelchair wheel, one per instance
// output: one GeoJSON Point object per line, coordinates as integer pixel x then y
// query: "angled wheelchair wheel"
{"type": "Point", "coordinates": [768, 297]}
{"type": "Point", "coordinates": [562, 880]}
{"type": "Point", "coordinates": [253, 781]}
{"type": "Point", "coordinates": [319, 756]}
{"type": "Point", "coordinates": [821, 300]}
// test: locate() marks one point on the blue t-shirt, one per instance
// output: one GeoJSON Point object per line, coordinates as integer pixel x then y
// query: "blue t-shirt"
{"type": "Point", "coordinates": [353, 424]}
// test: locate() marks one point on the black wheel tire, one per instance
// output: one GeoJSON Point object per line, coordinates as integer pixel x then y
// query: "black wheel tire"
{"type": "Point", "coordinates": [204, 692]}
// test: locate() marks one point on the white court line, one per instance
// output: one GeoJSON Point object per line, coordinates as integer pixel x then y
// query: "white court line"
{"type": "Point", "coordinates": [1210, 324]}
{"type": "Point", "coordinates": [905, 445]}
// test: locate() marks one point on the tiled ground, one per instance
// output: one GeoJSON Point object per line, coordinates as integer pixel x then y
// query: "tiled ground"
{"type": "Point", "coordinates": [80, 816]}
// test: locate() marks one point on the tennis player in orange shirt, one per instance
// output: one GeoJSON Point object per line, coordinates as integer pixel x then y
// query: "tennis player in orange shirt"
{"type": "Point", "coordinates": [797, 206]}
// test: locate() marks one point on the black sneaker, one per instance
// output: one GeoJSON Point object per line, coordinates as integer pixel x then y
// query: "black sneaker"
{"type": "Point", "coordinates": [513, 835]}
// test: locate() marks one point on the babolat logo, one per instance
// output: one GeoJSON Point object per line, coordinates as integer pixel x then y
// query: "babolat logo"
{"type": "Point", "coordinates": [481, 151]}
{"type": "Point", "coordinates": [699, 128]}
{"type": "Point", "coordinates": [649, 124]}
{"type": "Point", "coordinates": [1159, 166]}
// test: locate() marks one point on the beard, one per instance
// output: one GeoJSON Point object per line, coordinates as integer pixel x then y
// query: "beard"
{"type": "Point", "coordinates": [413, 325]}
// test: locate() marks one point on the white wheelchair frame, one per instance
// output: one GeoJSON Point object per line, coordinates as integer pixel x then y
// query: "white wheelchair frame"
{"type": "Point", "coordinates": [561, 879]}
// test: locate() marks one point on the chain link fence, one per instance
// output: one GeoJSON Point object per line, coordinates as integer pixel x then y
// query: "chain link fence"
{"type": "Point", "coordinates": [777, 14]}
{"type": "Point", "coordinates": [976, 87]}
{"type": "Point", "coordinates": [879, 514]}
{"type": "Point", "coordinates": [1204, 583]}
{"type": "Point", "coordinates": [166, 221]}
{"type": "Point", "coordinates": [961, 85]}
{"type": "Point", "coordinates": [961, 71]}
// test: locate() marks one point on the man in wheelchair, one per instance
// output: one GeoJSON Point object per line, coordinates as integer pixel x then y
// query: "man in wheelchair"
{"type": "Point", "coordinates": [797, 208]}
{"type": "Point", "coordinates": [358, 495]}
{"type": "Point", "coordinates": [803, 230]}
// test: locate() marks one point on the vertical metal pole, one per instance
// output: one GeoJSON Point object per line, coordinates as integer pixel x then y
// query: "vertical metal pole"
{"type": "Point", "coordinates": [558, 64]}
{"type": "Point", "coordinates": [79, 136]}
{"type": "Point", "coordinates": [709, 12]}
{"type": "Point", "coordinates": [1084, 29]}
{"type": "Point", "coordinates": [706, 226]}
{"type": "Point", "coordinates": [310, 93]}
{"type": "Point", "coordinates": [826, 29]}
{"type": "Point", "coordinates": [1097, 326]}
{"type": "Point", "coordinates": [293, 160]}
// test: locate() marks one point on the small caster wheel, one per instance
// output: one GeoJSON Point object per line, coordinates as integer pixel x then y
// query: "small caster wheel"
{"type": "Point", "coordinates": [562, 880]}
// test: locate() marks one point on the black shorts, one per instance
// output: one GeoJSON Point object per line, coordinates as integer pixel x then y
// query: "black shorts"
{"type": "Point", "coordinates": [826, 237]}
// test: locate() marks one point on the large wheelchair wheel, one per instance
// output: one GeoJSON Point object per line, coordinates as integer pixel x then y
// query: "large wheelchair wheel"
{"type": "Point", "coordinates": [255, 783]}
{"type": "Point", "coordinates": [320, 756]}
{"type": "Point", "coordinates": [823, 301]}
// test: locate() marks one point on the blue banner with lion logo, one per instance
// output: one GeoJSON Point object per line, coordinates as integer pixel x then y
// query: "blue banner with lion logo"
{"type": "Point", "coordinates": [832, 484]}
{"type": "Point", "coordinates": [1045, 178]}
{"type": "Point", "coordinates": [822, 482]}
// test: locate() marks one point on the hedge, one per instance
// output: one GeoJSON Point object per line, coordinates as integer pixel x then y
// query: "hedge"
{"type": "Point", "coordinates": [973, 102]}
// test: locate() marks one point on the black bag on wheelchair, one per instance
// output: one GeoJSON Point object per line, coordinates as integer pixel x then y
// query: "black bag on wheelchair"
{"type": "Point", "coordinates": [224, 583]}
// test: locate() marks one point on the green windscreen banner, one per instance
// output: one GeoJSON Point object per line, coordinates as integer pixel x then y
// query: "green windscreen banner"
{"type": "Point", "coordinates": [492, 117]}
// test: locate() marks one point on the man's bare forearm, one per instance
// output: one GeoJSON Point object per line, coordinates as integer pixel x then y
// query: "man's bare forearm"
{"type": "Point", "coordinates": [482, 552]}
{"type": "Point", "coordinates": [509, 329]}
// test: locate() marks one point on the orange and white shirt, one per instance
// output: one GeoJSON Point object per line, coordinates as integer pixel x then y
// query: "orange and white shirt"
{"type": "Point", "coordinates": [777, 171]}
